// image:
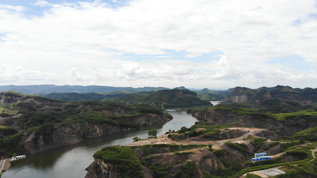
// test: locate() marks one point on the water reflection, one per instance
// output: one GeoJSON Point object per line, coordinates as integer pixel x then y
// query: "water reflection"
{"type": "Point", "coordinates": [215, 102]}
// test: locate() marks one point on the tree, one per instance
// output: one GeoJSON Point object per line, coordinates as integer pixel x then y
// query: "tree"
{"type": "Point", "coordinates": [152, 133]}
{"type": "Point", "coordinates": [183, 129]}
{"type": "Point", "coordinates": [135, 139]}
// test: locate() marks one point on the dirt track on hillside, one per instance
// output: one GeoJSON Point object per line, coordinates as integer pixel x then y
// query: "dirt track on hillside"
{"type": "Point", "coordinates": [163, 139]}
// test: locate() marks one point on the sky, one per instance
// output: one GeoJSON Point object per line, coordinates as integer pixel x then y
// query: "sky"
{"type": "Point", "coordinates": [214, 44]}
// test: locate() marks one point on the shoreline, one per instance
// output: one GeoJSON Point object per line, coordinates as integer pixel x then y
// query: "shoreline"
{"type": "Point", "coordinates": [4, 165]}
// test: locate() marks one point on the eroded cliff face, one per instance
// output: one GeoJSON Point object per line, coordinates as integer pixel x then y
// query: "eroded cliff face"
{"type": "Point", "coordinates": [9, 97]}
{"type": "Point", "coordinates": [76, 132]}
{"type": "Point", "coordinates": [243, 98]}
{"type": "Point", "coordinates": [100, 169]}
{"type": "Point", "coordinates": [305, 96]}
{"type": "Point", "coordinates": [172, 164]}
{"type": "Point", "coordinates": [34, 143]}
{"type": "Point", "coordinates": [63, 136]}
{"type": "Point", "coordinates": [217, 116]}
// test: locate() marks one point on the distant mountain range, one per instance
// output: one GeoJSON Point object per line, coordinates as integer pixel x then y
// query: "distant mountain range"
{"type": "Point", "coordinates": [94, 92]}
{"type": "Point", "coordinates": [169, 98]}
{"type": "Point", "coordinates": [175, 98]}
{"type": "Point", "coordinates": [257, 96]}
{"type": "Point", "coordinates": [278, 99]}
{"type": "Point", "coordinates": [212, 95]}
{"type": "Point", "coordinates": [46, 89]}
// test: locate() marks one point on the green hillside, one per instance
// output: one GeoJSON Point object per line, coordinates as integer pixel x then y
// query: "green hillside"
{"type": "Point", "coordinates": [176, 98]}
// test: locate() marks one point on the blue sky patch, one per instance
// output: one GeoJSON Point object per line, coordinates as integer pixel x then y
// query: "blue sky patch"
{"type": "Point", "coordinates": [297, 22]}
{"type": "Point", "coordinates": [2, 35]}
{"type": "Point", "coordinates": [35, 10]}
{"type": "Point", "coordinates": [173, 55]}
{"type": "Point", "coordinates": [294, 62]}
{"type": "Point", "coordinates": [310, 17]}
{"type": "Point", "coordinates": [313, 16]}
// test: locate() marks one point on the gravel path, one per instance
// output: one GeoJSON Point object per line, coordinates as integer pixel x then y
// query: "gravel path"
{"type": "Point", "coordinates": [313, 153]}
{"type": "Point", "coordinates": [163, 139]}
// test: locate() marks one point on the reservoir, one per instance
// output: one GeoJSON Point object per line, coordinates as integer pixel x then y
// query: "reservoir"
{"type": "Point", "coordinates": [71, 161]}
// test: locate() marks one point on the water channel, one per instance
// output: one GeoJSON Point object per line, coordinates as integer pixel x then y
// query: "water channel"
{"type": "Point", "coordinates": [71, 161]}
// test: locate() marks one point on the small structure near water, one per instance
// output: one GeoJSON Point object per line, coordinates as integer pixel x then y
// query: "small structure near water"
{"type": "Point", "coordinates": [6, 163]}
{"type": "Point", "coordinates": [260, 157]}
{"type": "Point", "coordinates": [14, 158]}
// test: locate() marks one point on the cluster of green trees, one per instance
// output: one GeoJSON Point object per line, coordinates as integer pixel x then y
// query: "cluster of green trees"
{"type": "Point", "coordinates": [187, 170]}
{"type": "Point", "coordinates": [152, 133]}
{"type": "Point", "coordinates": [123, 160]}
{"type": "Point", "coordinates": [89, 111]}
{"type": "Point", "coordinates": [10, 145]}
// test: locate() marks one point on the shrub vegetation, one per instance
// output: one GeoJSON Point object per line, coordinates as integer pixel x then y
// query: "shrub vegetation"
{"type": "Point", "coordinates": [123, 160]}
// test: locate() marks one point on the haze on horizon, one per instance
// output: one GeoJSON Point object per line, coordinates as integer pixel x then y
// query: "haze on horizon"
{"type": "Point", "coordinates": [191, 43]}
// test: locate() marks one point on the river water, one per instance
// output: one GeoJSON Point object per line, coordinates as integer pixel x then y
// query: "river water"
{"type": "Point", "coordinates": [71, 161]}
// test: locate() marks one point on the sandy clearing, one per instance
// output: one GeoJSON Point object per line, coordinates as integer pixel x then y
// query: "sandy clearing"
{"type": "Point", "coordinates": [163, 139]}
{"type": "Point", "coordinates": [266, 172]}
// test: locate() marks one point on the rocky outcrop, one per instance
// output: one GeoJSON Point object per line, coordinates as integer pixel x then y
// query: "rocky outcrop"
{"type": "Point", "coordinates": [171, 164]}
{"type": "Point", "coordinates": [14, 97]}
{"type": "Point", "coordinates": [35, 144]}
{"type": "Point", "coordinates": [9, 97]}
{"type": "Point", "coordinates": [100, 169]}
{"type": "Point", "coordinates": [243, 98]}
{"type": "Point", "coordinates": [305, 96]}
{"type": "Point", "coordinates": [219, 116]}
{"type": "Point", "coordinates": [73, 133]}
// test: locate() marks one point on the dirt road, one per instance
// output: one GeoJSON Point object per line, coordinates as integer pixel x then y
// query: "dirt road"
{"type": "Point", "coordinates": [163, 139]}
{"type": "Point", "coordinates": [313, 154]}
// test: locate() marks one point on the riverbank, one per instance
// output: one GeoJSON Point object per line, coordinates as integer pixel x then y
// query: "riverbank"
{"type": "Point", "coordinates": [4, 165]}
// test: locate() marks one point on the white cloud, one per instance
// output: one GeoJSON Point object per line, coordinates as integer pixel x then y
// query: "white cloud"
{"type": "Point", "coordinates": [82, 43]}
{"type": "Point", "coordinates": [42, 3]}
{"type": "Point", "coordinates": [14, 8]}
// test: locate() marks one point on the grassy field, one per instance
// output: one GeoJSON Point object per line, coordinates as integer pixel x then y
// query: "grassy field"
{"type": "Point", "coordinates": [8, 110]}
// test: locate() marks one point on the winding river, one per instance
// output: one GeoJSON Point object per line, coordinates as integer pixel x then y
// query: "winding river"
{"type": "Point", "coordinates": [71, 161]}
